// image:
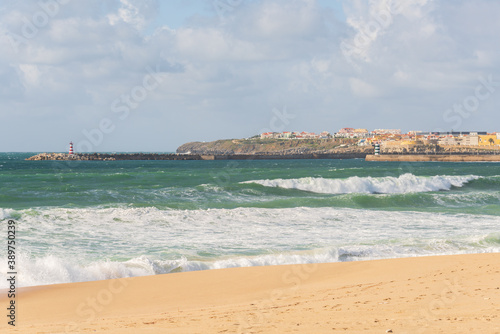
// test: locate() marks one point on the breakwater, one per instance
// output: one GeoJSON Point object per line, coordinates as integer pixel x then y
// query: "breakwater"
{"type": "Point", "coordinates": [434, 157]}
{"type": "Point", "coordinates": [176, 156]}
{"type": "Point", "coordinates": [112, 156]}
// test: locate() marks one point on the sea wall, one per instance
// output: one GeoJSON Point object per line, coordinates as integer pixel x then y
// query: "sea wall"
{"type": "Point", "coordinates": [434, 157]}
{"type": "Point", "coordinates": [285, 156]}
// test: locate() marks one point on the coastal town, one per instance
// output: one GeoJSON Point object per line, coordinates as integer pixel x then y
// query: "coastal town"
{"type": "Point", "coordinates": [347, 143]}
{"type": "Point", "coordinates": [394, 138]}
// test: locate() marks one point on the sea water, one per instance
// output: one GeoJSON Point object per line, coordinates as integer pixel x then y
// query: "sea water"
{"type": "Point", "coordinates": [91, 220]}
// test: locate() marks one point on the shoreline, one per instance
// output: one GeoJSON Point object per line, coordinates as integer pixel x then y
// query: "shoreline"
{"type": "Point", "coordinates": [435, 294]}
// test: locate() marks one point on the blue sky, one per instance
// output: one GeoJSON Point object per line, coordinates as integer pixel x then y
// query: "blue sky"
{"type": "Point", "coordinates": [150, 75]}
{"type": "Point", "coordinates": [176, 13]}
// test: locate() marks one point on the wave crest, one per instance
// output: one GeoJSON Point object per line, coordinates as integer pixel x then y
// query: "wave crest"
{"type": "Point", "coordinates": [406, 183]}
{"type": "Point", "coordinates": [52, 269]}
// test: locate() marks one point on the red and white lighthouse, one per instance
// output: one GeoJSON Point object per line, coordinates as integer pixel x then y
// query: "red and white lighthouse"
{"type": "Point", "coordinates": [71, 148]}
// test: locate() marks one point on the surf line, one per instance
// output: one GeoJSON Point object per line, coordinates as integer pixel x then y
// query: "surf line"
{"type": "Point", "coordinates": [12, 274]}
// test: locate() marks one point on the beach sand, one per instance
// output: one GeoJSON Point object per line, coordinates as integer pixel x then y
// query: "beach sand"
{"type": "Point", "coordinates": [443, 294]}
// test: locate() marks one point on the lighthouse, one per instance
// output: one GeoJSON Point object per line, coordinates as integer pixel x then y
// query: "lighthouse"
{"type": "Point", "coordinates": [71, 148]}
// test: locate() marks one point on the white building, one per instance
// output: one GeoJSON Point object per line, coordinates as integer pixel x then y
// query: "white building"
{"type": "Point", "coordinates": [449, 141]}
{"type": "Point", "coordinates": [387, 131]}
{"type": "Point", "coordinates": [470, 141]}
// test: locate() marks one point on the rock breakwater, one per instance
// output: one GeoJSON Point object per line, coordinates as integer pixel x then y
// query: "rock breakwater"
{"type": "Point", "coordinates": [156, 156]}
{"type": "Point", "coordinates": [112, 156]}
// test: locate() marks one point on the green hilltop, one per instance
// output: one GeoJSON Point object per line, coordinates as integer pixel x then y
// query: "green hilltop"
{"type": "Point", "coordinates": [273, 146]}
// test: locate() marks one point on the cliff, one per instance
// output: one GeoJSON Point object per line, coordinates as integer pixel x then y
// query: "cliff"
{"type": "Point", "coordinates": [275, 147]}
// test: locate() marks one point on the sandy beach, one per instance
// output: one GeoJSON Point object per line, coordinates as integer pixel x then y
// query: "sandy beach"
{"type": "Point", "coordinates": [444, 294]}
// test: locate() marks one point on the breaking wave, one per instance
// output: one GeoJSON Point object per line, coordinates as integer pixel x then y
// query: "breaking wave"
{"type": "Point", "coordinates": [53, 269]}
{"type": "Point", "coordinates": [406, 183]}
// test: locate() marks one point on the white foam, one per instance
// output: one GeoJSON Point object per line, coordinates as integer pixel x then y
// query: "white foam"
{"type": "Point", "coordinates": [58, 245]}
{"type": "Point", "coordinates": [6, 213]}
{"type": "Point", "coordinates": [406, 183]}
{"type": "Point", "coordinates": [52, 269]}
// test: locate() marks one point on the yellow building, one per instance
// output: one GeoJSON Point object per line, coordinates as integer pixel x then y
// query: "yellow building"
{"type": "Point", "coordinates": [489, 140]}
{"type": "Point", "coordinates": [411, 143]}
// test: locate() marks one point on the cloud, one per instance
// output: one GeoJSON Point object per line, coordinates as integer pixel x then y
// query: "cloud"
{"type": "Point", "coordinates": [136, 13]}
{"type": "Point", "coordinates": [31, 74]}
{"type": "Point", "coordinates": [223, 77]}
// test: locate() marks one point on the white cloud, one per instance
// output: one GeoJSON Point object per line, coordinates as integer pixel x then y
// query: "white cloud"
{"type": "Point", "coordinates": [223, 78]}
{"type": "Point", "coordinates": [31, 74]}
{"type": "Point", "coordinates": [136, 13]}
{"type": "Point", "coordinates": [372, 20]}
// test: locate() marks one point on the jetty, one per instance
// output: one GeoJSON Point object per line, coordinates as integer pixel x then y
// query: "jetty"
{"type": "Point", "coordinates": [178, 156]}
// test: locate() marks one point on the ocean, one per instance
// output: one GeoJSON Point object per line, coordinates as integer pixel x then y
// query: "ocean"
{"type": "Point", "coordinates": [92, 220]}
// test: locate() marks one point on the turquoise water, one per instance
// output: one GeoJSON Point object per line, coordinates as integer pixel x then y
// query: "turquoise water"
{"type": "Point", "coordinates": [89, 220]}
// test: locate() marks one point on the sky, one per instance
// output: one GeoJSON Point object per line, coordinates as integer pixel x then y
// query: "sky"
{"type": "Point", "coordinates": [150, 75]}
